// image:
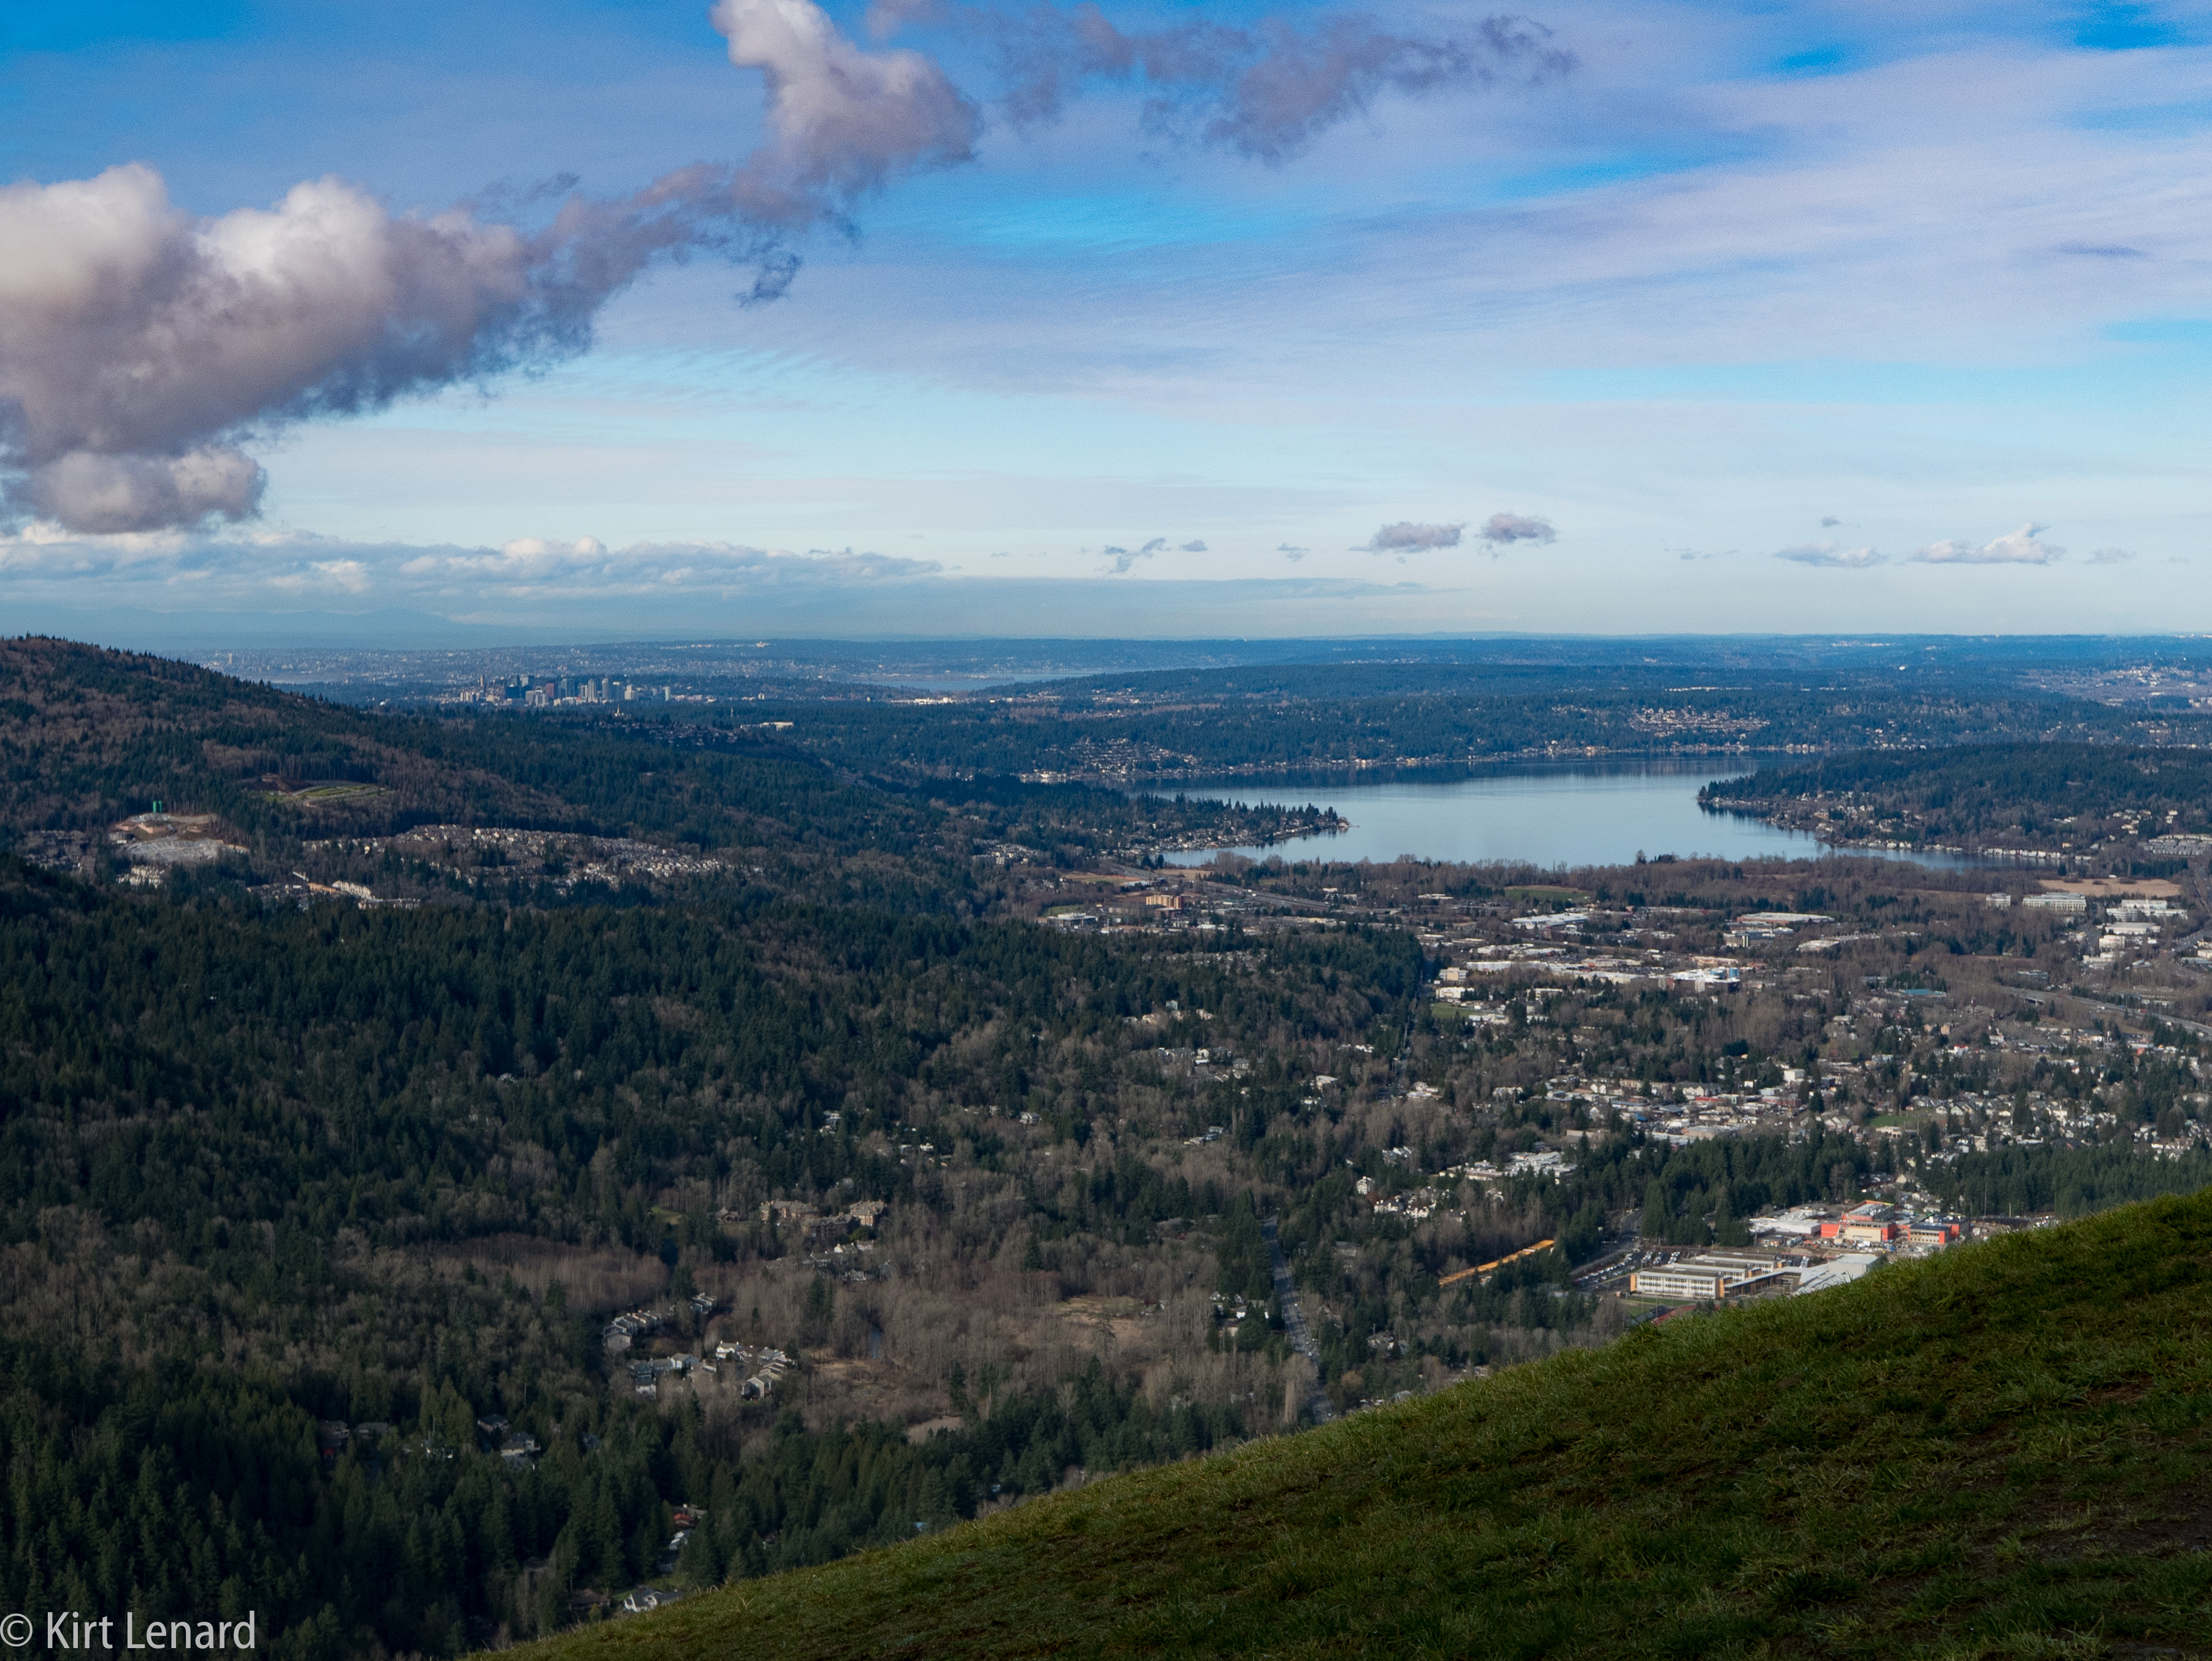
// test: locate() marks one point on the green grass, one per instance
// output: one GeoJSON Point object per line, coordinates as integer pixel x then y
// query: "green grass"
{"type": "Point", "coordinates": [1535, 893]}
{"type": "Point", "coordinates": [321, 795]}
{"type": "Point", "coordinates": [2003, 1451]}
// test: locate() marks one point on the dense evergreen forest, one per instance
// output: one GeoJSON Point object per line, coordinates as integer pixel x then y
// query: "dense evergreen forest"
{"type": "Point", "coordinates": [176, 1490]}
{"type": "Point", "coordinates": [1499, 704]}
{"type": "Point", "coordinates": [202, 1066]}
{"type": "Point", "coordinates": [222, 1124]}
{"type": "Point", "coordinates": [1229, 730]}
{"type": "Point", "coordinates": [2047, 796]}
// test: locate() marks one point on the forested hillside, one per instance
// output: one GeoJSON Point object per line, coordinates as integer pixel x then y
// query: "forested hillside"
{"type": "Point", "coordinates": [1995, 1452]}
{"type": "Point", "coordinates": [1257, 725]}
{"type": "Point", "coordinates": [89, 737]}
{"type": "Point", "coordinates": [265, 1168]}
{"type": "Point", "coordinates": [2050, 797]}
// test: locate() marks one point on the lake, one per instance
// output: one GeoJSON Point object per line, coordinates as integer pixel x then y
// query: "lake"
{"type": "Point", "coordinates": [1571, 813]}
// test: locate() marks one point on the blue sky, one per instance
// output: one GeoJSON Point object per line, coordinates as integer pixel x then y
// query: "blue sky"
{"type": "Point", "coordinates": [1785, 317]}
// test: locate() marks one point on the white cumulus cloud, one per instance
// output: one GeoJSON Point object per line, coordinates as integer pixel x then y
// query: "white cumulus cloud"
{"type": "Point", "coordinates": [845, 122]}
{"type": "Point", "coordinates": [2022, 547]}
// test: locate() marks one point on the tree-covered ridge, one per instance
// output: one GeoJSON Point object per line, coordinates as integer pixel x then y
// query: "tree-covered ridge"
{"type": "Point", "coordinates": [1312, 725]}
{"type": "Point", "coordinates": [88, 736]}
{"type": "Point", "coordinates": [2043, 796]}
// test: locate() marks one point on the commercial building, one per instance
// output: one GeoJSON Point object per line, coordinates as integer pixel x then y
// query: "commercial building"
{"type": "Point", "coordinates": [1796, 1223]}
{"type": "Point", "coordinates": [1871, 1224]}
{"type": "Point", "coordinates": [1706, 980]}
{"type": "Point", "coordinates": [1931, 1235]}
{"type": "Point", "coordinates": [1711, 1278]}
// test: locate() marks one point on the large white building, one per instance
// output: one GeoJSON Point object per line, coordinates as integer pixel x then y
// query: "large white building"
{"type": "Point", "coordinates": [1710, 1278]}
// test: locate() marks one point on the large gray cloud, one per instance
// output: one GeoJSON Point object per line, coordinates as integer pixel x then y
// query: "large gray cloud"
{"type": "Point", "coordinates": [140, 348]}
{"type": "Point", "coordinates": [144, 349]}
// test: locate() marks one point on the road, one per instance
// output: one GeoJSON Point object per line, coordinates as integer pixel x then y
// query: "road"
{"type": "Point", "coordinates": [1294, 1323]}
{"type": "Point", "coordinates": [2143, 1017]}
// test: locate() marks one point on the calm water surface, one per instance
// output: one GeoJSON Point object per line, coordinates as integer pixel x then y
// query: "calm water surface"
{"type": "Point", "coordinates": [1584, 813]}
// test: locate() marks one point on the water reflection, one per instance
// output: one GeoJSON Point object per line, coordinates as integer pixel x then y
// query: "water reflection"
{"type": "Point", "coordinates": [1576, 813]}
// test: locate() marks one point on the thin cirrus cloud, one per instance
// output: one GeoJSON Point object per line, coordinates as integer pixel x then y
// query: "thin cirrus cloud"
{"type": "Point", "coordinates": [2024, 546]}
{"type": "Point", "coordinates": [1831, 556]}
{"type": "Point", "coordinates": [1266, 92]}
{"type": "Point", "coordinates": [1122, 558]}
{"type": "Point", "coordinates": [143, 349]}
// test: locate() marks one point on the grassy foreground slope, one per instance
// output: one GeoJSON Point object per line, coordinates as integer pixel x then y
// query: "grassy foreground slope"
{"type": "Point", "coordinates": [2005, 1451]}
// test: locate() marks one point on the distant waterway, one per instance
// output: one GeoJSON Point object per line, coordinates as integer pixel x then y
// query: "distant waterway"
{"type": "Point", "coordinates": [1575, 813]}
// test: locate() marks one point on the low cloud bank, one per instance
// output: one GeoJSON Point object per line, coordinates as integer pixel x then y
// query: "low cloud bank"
{"type": "Point", "coordinates": [242, 587]}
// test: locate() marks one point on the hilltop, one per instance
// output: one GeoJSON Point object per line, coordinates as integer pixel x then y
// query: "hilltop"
{"type": "Point", "coordinates": [1997, 1451]}
{"type": "Point", "coordinates": [89, 737]}
{"type": "Point", "coordinates": [90, 734]}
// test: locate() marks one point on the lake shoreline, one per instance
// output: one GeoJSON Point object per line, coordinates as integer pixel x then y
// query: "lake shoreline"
{"type": "Point", "coordinates": [1584, 811]}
